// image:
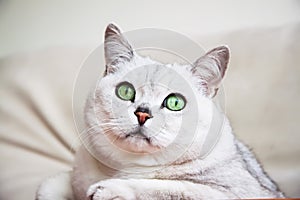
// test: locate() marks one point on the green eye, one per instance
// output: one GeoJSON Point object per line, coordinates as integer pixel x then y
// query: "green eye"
{"type": "Point", "coordinates": [174, 102]}
{"type": "Point", "coordinates": [125, 91]}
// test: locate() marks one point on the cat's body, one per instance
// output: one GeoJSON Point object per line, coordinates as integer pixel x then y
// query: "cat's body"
{"type": "Point", "coordinates": [142, 108]}
{"type": "Point", "coordinates": [232, 174]}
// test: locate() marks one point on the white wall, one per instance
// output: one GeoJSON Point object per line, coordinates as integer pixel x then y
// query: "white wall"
{"type": "Point", "coordinates": [32, 24]}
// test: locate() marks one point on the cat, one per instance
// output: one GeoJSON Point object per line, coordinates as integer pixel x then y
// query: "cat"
{"type": "Point", "coordinates": [140, 143]}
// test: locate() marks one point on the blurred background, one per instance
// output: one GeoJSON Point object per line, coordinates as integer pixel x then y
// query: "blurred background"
{"type": "Point", "coordinates": [43, 43]}
{"type": "Point", "coordinates": [31, 24]}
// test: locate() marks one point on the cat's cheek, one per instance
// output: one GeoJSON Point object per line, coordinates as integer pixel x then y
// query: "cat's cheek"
{"type": "Point", "coordinates": [131, 116]}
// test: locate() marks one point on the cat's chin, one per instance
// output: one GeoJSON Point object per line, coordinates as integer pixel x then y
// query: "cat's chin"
{"type": "Point", "coordinates": [138, 144]}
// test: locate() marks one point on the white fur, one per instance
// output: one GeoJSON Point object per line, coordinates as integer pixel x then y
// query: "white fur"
{"type": "Point", "coordinates": [57, 187]}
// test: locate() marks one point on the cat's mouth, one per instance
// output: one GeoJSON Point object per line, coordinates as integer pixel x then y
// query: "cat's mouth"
{"type": "Point", "coordinates": [137, 141]}
{"type": "Point", "coordinates": [140, 135]}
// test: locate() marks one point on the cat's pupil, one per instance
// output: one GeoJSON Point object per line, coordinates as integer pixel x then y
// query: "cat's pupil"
{"type": "Point", "coordinates": [176, 102]}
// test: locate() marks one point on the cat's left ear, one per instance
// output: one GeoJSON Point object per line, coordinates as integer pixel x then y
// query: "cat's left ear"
{"type": "Point", "coordinates": [116, 48]}
{"type": "Point", "coordinates": [211, 68]}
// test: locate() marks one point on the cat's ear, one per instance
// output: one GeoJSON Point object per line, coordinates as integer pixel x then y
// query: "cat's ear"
{"type": "Point", "coordinates": [210, 68]}
{"type": "Point", "coordinates": [116, 48]}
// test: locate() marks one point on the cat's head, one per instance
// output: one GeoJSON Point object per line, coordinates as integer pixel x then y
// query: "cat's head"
{"type": "Point", "coordinates": [143, 106]}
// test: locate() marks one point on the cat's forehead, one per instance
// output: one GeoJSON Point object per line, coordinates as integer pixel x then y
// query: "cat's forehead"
{"type": "Point", "coordinates": [154, 76]}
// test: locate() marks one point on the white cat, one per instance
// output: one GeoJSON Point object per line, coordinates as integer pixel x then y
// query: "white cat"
{"type": "Point", "coordinates": [147, 128]}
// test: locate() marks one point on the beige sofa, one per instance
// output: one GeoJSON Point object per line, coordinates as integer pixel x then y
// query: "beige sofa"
{"type": "Point", "coordinates": [38, 137]}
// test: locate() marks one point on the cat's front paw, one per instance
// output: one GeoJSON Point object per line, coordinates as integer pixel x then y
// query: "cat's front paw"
{"type": "Point", "coordinates": [110, 189]}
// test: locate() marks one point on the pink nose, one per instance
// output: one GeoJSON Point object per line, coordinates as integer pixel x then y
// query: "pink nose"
{"type": "Point", "coordinates": [142, 117]}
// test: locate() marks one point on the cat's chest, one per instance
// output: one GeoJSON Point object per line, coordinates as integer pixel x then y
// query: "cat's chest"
{"type": "Point", "coordinates": [186, 171]}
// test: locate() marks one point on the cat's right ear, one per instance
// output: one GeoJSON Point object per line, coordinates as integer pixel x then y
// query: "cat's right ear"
{"type": "Point", "coordinates": [116, 48]}
{"type": "Point", "coordinates": [211, 68]}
